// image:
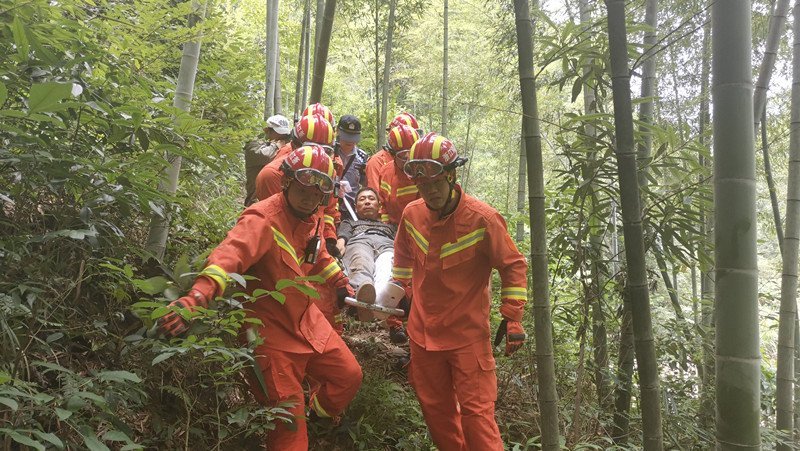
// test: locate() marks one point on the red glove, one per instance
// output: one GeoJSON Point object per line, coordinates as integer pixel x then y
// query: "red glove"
{"type": "Point", "coordinates": [172, 324]}
{"type": "Point", "coordinates": [513, 333]}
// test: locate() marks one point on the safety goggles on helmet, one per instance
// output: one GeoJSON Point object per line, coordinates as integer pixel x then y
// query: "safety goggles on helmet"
{"type": "Point", "coordinates": [403, 154]}
{"type": "Point", "coordinates": [328, 149]}
{"type": "Point", "coordinates": [313, 177]}
{"type": "Point", "coordinates": [416, 169]}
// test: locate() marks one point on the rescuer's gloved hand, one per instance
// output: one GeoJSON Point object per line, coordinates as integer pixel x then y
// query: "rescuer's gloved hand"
{"type": "Point", "coordinates": [405, 305]}
{"type": "Point", "coordinates": [330, 245]}
{"type": "Point", "coordinates": [172, 324]}
{"type": "Point", "coordinates": [343, 292]}
{"type": "Point", "coordinates": [514, 334]}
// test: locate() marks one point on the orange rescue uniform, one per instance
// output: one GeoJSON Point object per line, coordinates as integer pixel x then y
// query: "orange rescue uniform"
{"type": "Point", "coordinates": [268, 183]}
{"type": "Point", "coordinates": [380, 159]}
{"type": "Point", "coordinates": [267, 243]}
{"type": "Point", "coordinates": [450, 260]}
{"type": "Point", "coordinates": [396, 191]}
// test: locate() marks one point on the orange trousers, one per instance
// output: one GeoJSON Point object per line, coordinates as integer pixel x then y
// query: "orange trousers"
{"type": "Point", "coordinates": [457, 390]}
{"type": "Point", "coordinates": [336, 370]}
{"type": "Point", "coordinates": [327, 305]}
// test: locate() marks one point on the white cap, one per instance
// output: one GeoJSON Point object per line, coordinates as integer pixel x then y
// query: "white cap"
{"type": "Point", "coordinates": [280, 124]}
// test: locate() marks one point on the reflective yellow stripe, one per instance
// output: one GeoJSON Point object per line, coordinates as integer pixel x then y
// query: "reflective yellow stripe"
{"type": "Point", "coordinates": [387, 187]}
{"type": "Point", "coordinates": [437, 147]}
{"type": "Point", "coordinates": [328, 219]}
{"type": "Point", "coordinates": [398, 137]}
{"type": "Point", "coordinates": [384, 218]}
{"type": "Point", "coordinates": [283, 243]}
{"type": "Point", "coordinates": [218, 275]}
{"type": "Point", "coordinates": [330, 135]}
{"type": "Point", "coordinates": [401, 273]}
{"type": "Point", "coordinates": [519, 293]}
{"type": "Point", "coordinates": [418, 238]}
{"type": "Point", "coordinates": [329, 270]}
{"type": "Point", "coordinates": [464, 242]}
{"type": "Point", "coordinates": [330, 168]}
{"type": "Point", "coordinates": [318, 408]}
{"type": "Point", "coordinates": [310, 135]}
{"type": "Point", "coordinates": [407, 190]}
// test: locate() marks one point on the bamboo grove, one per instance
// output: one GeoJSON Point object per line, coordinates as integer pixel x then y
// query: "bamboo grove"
{"type": "Point", "coordinates": [646, 156]}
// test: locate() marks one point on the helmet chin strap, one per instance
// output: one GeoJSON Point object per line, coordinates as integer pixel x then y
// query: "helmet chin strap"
{"type": "Point", "coordinates": [451, 181]}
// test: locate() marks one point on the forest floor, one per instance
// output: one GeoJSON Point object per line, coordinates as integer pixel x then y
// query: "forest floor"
{"type": "Point", "coordinates": [385, 415]}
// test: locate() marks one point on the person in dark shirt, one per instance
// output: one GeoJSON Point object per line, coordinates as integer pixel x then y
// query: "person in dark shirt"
{"type": "Point", "coordinates": [368, 247]}
{"type": "Point", "coordinates": [354, 160]}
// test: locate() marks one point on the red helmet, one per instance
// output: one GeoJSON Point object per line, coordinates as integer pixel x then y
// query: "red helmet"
{"type": "Point", "coordinates": [314, 129]}
{"type": "Point", "coordinates": [431, 156]}
{"type": "Point", "coordinates": [318, 108]}
{"type": "Point", "coordinates": [401, 137]}
{"type": "Point", "coordinates": [310, 166]}
{"type": "Point", "coordinates": [404, 119]}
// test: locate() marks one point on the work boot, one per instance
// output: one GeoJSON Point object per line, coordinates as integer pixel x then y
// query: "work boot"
{"type": "Point", "coordinates": [397, 335]}
{"type": "Point", "coordinates": [365, 294]}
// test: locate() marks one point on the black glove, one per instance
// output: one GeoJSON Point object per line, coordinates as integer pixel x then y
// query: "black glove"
{"type": "Point", "coordinates": [404, 305]}
{"type": "Point", "coordinates": [514, 334]}
{"type": "Point", "coordinates": [341, 293]}
{"type": "Point", "coordinates": [330, 244]}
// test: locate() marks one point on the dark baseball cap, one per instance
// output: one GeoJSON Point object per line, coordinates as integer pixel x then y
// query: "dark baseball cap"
{"type": "Point", "coordinates": [349, 128]}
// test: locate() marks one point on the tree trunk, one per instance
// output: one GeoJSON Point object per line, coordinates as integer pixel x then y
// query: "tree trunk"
{"type": "Point", "coordinates": [271, 49]}
{"type": "Point", "coordinates": [522, 184]}
{"type": "Point", "coordinates": [637, 288]}
{"type": "Point", "coordinates": [706, 230]}
{"type": "Point", "coordinates": [773, 195]}
{"type": "Point", "coordinates": [622, 393]}
{"type": "Point", "coordinates": [598, 266]}
{"type": "Point", "coordinates": [298, 105]}
{"type": "Point", "coordinates": [777, 22]}
{"type": "Point", "coordinates": [377, 76]}
{"type": "Point", "coordinates": [387, 65]}
{"type": "Point", "coordinates": [319, 18]}
{"type": "Point", "coordinates": [648, 90]}
{"type": "Point", "coordinates": [545, 364]}
{"type": "Point", "coordinates": [278, 98]}
{"type": "Point", "coordinates": [788, 311]}
{"type": "Point", "coordinates": [444, 75]}
{"type": "Point", "coordinates": [306, 64]}
{"type": "Point", "coordinates": [159, 222]}
{"type": "Point", "coordinates": [321, 57]}
{"type": "Point", "coordinates": [738, 360]}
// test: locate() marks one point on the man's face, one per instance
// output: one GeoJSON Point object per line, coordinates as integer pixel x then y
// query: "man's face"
{"type": "Point", "coordinates": [400, 159]}
{"type": "Point", "coordinates": [304, 199]}
{"type": "Point", "coordinates": [347, 146]}
{"type": "Point", "coordinates": [367, 205]}
{"type": "Point", "coordinates": [271, 134]}
{"type": "Point", "coordinates": [434, 192]}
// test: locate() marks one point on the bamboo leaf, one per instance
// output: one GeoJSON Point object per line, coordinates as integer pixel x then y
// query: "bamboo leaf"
{"type": "Point", "coordinates": [46, 96]}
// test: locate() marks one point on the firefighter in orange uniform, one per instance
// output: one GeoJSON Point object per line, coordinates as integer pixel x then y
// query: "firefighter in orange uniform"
{"type": "Point", "coordinates": [396, 190]}
{"type": "Point", "coordinates": [448, 242]}
{"type": "Point", "coordinates": [313, 129]}
{"type": "Point", "coordinates": [382, 156]}
{"type": "Point", "coordinates": [271, 241]}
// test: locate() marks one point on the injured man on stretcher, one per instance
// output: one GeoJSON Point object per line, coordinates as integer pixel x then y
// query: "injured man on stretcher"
{"type": "Point", "coordinates": [368, 252]}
